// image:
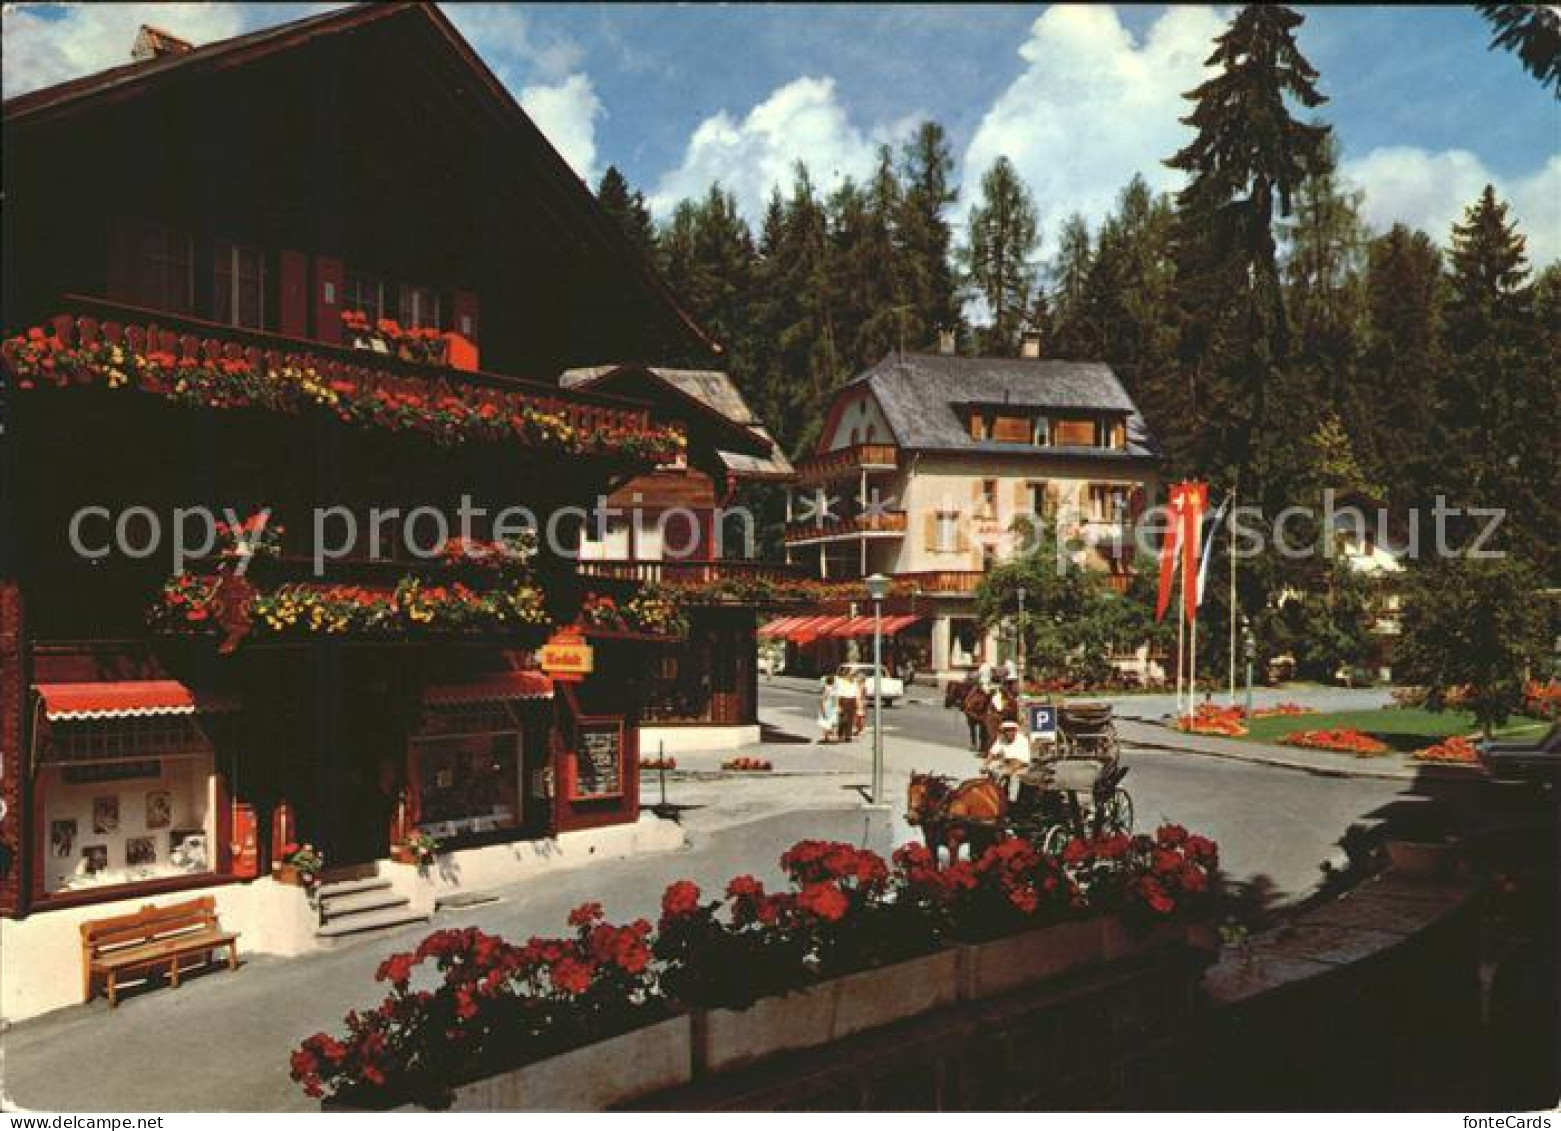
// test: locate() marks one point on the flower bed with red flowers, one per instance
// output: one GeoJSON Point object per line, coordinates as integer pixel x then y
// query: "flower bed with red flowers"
{"type": "Point", "coordinates": [1209, 718]}
{"type": "Point", "coordinates": [1543, 700]}
{"type": "Point", "coordinates": [658, 763]}
{"type": "Point", "coordinates": [465, 1004]}
{"type": "Point", "coordinates": [1283, 711]}
{"type": "Point", "coordinates": [229, 377]}
{"type": "Point", "coordinates": [422, 344]}
{"type": "Point", "coordinates": [1457, 750]}
{"type": "Point", "coordinates": [1345, 740]}
{"type": "Point", "coordinates": [748, 765]}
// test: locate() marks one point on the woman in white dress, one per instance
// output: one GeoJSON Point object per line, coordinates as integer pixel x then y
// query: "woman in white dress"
{"type": "Point", "coordinates": [828, 710]}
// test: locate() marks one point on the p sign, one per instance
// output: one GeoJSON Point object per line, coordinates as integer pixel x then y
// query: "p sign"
{"type": "Point", "coordinates": [1043, 720]}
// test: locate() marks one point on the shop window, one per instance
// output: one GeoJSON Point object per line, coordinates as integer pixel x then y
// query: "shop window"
{"type": "Point", "coordinates": [162, 275]}
{"type": "Point", "coordinates": [124, 801]}
{"type": "Point", "coordinates": [420, 308]}
{"type": "Point", "coordinates": [465, 770]}
{"type": "Point", "coordinates": [364, 292]}
{"type": "Point", "coordinates": [239, 286]}
{"type": "Point", "coordinates": [681, 687]}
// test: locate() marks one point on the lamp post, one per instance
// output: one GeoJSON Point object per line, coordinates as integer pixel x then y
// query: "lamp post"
{"type": "Point", "coordinates": [1249, 642]}
{"type": "Point", "coordinates": [877, 589]}
{"type": "Point", "coordinates": [1019, 629]}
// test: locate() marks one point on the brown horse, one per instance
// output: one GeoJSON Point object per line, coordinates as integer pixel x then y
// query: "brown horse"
{"type": "Point", "coordinates": [984, 718]}
{"type": "Point", "coordinates": [973, 812]}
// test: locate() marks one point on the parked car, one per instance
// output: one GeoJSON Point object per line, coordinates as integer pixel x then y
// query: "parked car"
{"type": "Point", "coordinates": [771, 663]}
{"type": "Point", "coordinates": [893, 689]}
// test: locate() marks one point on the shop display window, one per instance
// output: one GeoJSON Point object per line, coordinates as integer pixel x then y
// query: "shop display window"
{"type": "Point", "coordinates": [124, 801]}
{"type": "Point", "coordinates": [465, 770]}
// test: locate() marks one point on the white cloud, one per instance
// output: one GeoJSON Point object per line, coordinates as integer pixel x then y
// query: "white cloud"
{"type": "Point", "coordinates": [1431, 190]}
{"type": "Point", "coordinates": [567, 112]}
{"type": "Point", "coordinates": [802, 120]}
{"type": "Point", "coordinates": [504, 37]}
{"type": "Point", "coordinates": [44, 50]}
{"type": "Point", "coordinates": [1092, 107]}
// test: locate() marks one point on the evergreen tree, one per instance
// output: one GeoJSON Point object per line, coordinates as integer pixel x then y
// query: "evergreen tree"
{"type": "Point", "coordinates": [1533, 31]}
{"type": "Point", "coordinates": [998, 255]}
{"type": "Point", "coordinates": [926, 238]}
{"type": "Point", "coordinates": [1075, 334]}
{"type": "Point", "coordinates": [627, 208]}
{"type": "Point", "coordinates": [1400, 364]}
{"type": "Point", "coordinates": [1250, 156]}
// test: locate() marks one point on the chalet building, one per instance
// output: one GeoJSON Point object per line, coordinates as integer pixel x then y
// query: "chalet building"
{"type": "Point", "coordinates": [244, 276]}
{"type": "Point", "coordinates": [922, 469]}
{"type": "Point", "coordinates": [690, 531]}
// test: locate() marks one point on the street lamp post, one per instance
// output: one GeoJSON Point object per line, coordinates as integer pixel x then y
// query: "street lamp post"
{"type": "Point", "coordinates": [877, 589]}
{"type": "Point", "coordinates": [1019, 628]}
{"type": "Point", "coordinates": [1249, 642]}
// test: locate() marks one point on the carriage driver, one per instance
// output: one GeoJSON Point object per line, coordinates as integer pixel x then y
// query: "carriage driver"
{"type": "Point", "coordinates": [1010, 753]}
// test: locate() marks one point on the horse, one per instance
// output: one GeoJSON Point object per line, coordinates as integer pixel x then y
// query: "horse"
{"type": "Point", "coordinates": [974, 812]}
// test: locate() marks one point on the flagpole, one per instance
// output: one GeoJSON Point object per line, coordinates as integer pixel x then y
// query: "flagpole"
{"type": "Point", "coordinates": [1231, 530]}
{"type": "Point", "coordinates": [1181, 646]}
{"type": "Point", "coordinates": [1192, 661]}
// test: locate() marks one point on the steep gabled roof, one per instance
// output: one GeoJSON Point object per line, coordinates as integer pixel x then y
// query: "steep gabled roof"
{"type": "Point", "coordinates": [923, 396]}
{"type": "Point", "coordinates": [138, 79]}
{"type": "Point", "coordinates": [713, 392]}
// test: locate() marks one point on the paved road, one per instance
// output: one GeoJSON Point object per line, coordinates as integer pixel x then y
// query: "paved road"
{"type": "Point", "coordinates": [1276, 827]}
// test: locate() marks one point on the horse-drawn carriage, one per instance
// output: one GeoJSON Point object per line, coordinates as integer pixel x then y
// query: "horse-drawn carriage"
{"type": "Point", "coordinates": [1073, 787]}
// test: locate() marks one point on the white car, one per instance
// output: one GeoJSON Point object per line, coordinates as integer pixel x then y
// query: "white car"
{"type": "Point", "coordinates": [866, 674]}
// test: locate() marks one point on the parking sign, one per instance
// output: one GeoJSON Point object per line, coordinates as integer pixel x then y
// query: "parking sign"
{"type": "Point", "coordinates": [1043, 720]}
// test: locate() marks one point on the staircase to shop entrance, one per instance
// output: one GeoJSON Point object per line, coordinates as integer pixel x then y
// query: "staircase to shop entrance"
{"type": "Point", "coordinates": [353, 907]}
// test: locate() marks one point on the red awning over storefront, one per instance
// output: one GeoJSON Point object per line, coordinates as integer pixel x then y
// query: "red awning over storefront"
{"type": "Point", "coordinates": [812, 628]}
{"type": "Point", "coordinates": [494, 688]}
{"type": "Point", "coordinates": [778, 627]}
{"type": "Point", "coordinates": [124, 698]}
{"type": "Point", "coordinates": [863, 626]}
{"type": "Point", "coordinates": [893, 626]}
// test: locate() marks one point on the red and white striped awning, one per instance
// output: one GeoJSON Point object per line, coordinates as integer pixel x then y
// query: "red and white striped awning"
{"type": "Point", "coordinates": [863, 626]}
{"type": "Point", "coordinates": [495, 687]}
{"type": "Point", "coordinates": [118, 699]}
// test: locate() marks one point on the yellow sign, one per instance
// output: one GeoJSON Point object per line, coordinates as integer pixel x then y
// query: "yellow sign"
{"type": "Point", "coordinates": [567, 656]}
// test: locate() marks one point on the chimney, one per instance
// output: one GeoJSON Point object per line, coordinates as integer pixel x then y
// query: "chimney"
{"type": "Point", "coordinates": [1030, 345]}
{"type": "Point", "coordinates": [155, 43]}
{"type": "Point", "coordinates": [946, 343]}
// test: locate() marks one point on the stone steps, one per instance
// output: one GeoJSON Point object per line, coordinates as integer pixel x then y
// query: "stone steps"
{"type": "Point", "coordinates": [356, 907]}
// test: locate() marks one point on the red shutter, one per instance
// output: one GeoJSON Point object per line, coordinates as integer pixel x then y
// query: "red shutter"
{"type": "Point", "coordinates": [328, 277]}
{"type": "Point", "coordinates": [294, 299]}
{"type": "Point", "coordinates": [463, 314]}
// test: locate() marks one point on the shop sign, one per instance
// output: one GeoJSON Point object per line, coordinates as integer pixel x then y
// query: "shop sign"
{"type": "Point", "coordinates": [597, 765]}
{"type": "Point", "coordinates": [566, 656]}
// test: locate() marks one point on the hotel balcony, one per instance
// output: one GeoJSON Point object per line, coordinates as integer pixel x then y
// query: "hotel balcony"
{"type": "Point", "coordinates": [688, 572]}
{"type": "Point", "coordinates": [883, 524]}
{"type": "Point", "coordinates": [836, 465]}
{"type": "Point", "coordinates": [941, 582]}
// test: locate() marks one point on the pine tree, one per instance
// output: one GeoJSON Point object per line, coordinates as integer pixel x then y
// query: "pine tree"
{"type": "Point", "coordinates": [1533, 32]}
{"type": "Point", "coordinates": [1400, 364]}
{"type": "Point", "coordinates": [1248, 160]}
{"type": "Point", "coordinates": [998, 255]}
{"type": "Point", "coordinates": [926, 238]}
{"type": "Point", "coordinates": [1129, 299]}
{"type": "Point", "coordinates": [627, 208]}
{"type": "Point", "coordinates": [1326, 241]}
{"type": "Point", "coordinates": [1075, 334]}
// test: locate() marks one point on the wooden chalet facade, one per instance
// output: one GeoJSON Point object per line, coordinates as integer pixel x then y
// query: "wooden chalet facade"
{"type": "Point", "coordinates": [189, 241]}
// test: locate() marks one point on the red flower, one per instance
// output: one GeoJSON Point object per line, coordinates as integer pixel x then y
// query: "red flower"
{"type": "Point", "coordinates": [680, 898]}
{"type": "Point", "coordinates": [571, 975]}
{"type": "Point", "coordinates": [397, 969]}
{"type": "Point", "coordinates": [825, 900]}
{"type": "Point", "coordinates": [585, 915]}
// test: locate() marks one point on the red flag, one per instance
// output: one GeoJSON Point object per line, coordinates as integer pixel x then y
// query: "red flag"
{"type": "Point", "coordinates": [1168, 546]}
{"type": "Point", "coordinates": [1195, 500]}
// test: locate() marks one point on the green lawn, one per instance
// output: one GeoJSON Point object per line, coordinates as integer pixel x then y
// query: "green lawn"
{"type": "Point", "coordinates": [1404, 729]}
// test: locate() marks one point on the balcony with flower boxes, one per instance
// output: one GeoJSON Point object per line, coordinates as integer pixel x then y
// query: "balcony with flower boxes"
{"type": "Point", "coordinates": [935, 582]}
{"type": "Point", "coordinates": [832, 466]}
{"type": "Point", "coordinates": [109, 346]}
{"type": "Point", "coordinates": [875, 524]}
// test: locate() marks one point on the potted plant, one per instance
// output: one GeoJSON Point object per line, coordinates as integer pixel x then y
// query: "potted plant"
{"type": "Point", "coordinates": [418, 847]}
{"type": "Point", "coordinates": [301, 865]}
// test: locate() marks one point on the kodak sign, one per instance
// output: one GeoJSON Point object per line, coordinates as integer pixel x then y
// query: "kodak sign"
{"type": "Point", "coordinates": [566, 656]}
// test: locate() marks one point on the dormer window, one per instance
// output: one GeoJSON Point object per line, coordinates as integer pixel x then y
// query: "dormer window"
{"type": "Point", "coordinates": [1041, 432]}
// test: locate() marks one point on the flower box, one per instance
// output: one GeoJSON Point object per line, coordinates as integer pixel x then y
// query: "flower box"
{"type": "Point", "coordinates": [991, 968]}
{"type": "Point", "coordinates": [291, 874]}
{"type": "Point", "coordinates": [1422, 858]}
{"type": "Point", "coordinates": [592, 1078]}
{"type": "Point", "coordinates": [1123, 943]}
{"type": "Point", "coordinates": [829, 1011]}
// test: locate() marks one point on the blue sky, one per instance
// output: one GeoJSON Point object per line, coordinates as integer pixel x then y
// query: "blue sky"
{"type": "Point", "coordinates": [1078, 98]}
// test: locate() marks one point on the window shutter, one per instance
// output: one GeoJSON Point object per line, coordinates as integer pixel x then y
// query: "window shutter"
{"type": "Point", "coordinates": [962, 536]}
{"type": "Point", "coordinates": [328, 280]}
{"type": "Point", "coordinates": [1021, 497]}
{"type": "Point", "coordinates": [293, 294]}
{"type": "Point", "coordinates": [463, 330]}
{"type": "Point", "coordinates": [977, 497]}
{"type": "Point", "coordinates": [930, 531]}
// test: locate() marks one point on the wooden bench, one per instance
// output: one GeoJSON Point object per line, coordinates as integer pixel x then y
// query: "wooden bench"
{"type": "Point", "coordinates": [151, 938]}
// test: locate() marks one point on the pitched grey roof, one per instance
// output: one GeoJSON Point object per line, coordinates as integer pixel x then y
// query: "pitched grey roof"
{"type": "Point", "coordinates": [923, 395]}
{"type": "Point", "coordinates": [716, 389]}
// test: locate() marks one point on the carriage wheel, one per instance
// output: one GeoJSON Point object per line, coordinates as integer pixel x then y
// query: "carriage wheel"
{"type": "Point", "coordinates": [1116, 813]}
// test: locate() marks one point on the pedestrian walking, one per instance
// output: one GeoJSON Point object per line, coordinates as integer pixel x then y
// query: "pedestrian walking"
{"type": "Point", "coordinates": [828, 710]}
{"type": "Point", "coordinates": [850, 703]}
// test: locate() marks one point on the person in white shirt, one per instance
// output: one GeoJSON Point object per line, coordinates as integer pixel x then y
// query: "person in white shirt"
{"type": "Point", "coordinates": [984, 676]}
{"type": "Point", "coordinates": [1010, 671]}
{"type": "Point", "coordinates": [1010, 753]}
